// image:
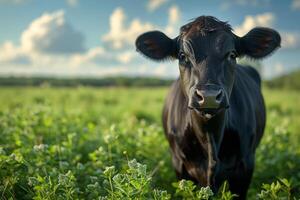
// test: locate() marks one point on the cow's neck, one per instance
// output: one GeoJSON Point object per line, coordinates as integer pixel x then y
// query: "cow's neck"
{"type": "Point", "coordinates": [209, 135]}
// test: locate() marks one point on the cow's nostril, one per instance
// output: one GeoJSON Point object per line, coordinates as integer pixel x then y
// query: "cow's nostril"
{"type": "Point", "coordinates": [199, 96]}
{"type": "Point", "coordinates": [219, 96]}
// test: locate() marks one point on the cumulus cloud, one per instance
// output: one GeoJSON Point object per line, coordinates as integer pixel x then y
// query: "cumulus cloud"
{"type": "Point", "coordinates": [48, 41]}
{"type": "Point", "coordinates": [295, 4]}
{"type": "Point", "coordinates": [9, 53]}
{"type": "Point", "coordinates": [155, 4]}
{"type": "Point", "coordinates": [289, 40]}
{"type": "Point", "coordinates": [120, 35]}
{"type": "Point", "coordinates": [40, 53]}
{"type": "Point", "coordinates": [101, 56]}
{"type": "Point", "coordinates": [50, 33]}
{"type": "Point", "coordinates": [265, 19]}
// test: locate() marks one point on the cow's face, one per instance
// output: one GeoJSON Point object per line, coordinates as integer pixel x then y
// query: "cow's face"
{"type": "Point", "coordinates": [206, 64]}
{"type": "Point", "coordinates": [206, 50]}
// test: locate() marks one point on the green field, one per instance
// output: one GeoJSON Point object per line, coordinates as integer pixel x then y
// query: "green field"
{"type": "Point", "coordinates": [108, 143]}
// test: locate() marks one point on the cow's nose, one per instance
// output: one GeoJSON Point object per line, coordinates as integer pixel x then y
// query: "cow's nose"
{"type": "Point", "coordinates": [209, 98]}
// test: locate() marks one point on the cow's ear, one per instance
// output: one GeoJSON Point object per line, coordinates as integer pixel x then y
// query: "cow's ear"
{"type": "Point", "coordinates": [258, 43]}
{"type": "Point", "coordinates": [156, 45]}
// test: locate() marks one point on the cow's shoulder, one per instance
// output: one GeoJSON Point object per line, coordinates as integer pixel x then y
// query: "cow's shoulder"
{"type": "Point", "coordinates": [175, 112]}
{"type": "Point", "coordinates": [246, 96]}
{"type": "Point", "coordinates": [246, 104]}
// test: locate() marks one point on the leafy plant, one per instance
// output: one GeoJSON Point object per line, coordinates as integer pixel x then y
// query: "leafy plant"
{"type": "Point", "coordinates": [88, 143]}
{"type": "Point", "coordinates": [187, 190]}
{"type": "Point", "coordinates": [280, 189]}
{"type": "Point", "coordinates": [133, 183]}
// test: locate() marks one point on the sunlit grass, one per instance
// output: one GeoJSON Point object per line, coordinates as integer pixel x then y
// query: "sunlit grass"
{"type": "Point", "coordinates": [80, 143]}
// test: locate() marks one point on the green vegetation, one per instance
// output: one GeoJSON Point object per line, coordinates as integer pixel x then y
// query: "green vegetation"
{"type": "Point", "coordinates": [108, 143]}
{"type": "Point", "coordinates": [288, 81]}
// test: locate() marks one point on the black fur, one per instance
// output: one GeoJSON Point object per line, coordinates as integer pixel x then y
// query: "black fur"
{"type": "Point", "coordinates": [212, 150]}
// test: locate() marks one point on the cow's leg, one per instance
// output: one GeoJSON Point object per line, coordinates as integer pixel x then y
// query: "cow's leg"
{"type": "Point", "coordinates": [183, 174]}
{"type": "Point", "coordinates": [239, 183]}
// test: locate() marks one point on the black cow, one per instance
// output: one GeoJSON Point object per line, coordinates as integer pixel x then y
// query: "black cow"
{"type": "Point", "coordinates": [214, 115]}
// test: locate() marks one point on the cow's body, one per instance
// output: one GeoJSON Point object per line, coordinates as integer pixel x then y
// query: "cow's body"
{"type": "Point", "coordinates": [244, 126]}
{"type": "Point", "coordinates": [214, 116]}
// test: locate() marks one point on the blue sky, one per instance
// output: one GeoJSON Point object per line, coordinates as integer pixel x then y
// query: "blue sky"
{"type": "Point", "coordinates": [96, 37]}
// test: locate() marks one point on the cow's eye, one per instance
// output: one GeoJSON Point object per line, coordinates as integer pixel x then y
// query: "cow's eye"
{"type": "Point", "coordinates": [232, 55]}
{"type": "Point", "coordinates": [182, 57]}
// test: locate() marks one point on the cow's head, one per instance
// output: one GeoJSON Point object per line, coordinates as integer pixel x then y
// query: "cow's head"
{"type": "Point", "coordinates": [207, 50]}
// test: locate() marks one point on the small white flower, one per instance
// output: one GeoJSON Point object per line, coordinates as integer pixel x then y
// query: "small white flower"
{"type": "Point", "coordinates": [40, 147]}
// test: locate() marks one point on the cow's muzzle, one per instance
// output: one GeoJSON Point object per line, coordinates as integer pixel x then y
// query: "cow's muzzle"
{"type": "Point", "coordinates": [208, 100]}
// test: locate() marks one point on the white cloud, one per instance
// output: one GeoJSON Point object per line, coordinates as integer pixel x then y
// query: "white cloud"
{"type": "Point", "coordinates": [126, 57]}
{"type": "Point", "coordinates": [265, 19]}
{"type": "Point", "coordinates": [50, 33]}
{"type": "Point", "coordinates": [66, 71]}
{"type": "Point", "coordinates": [40, 44]}
{"type": "Point", "coordinates": [42, 49]}
{"type": "Point", "coordinates": [47, 42]}
{"type": "Point", "coordinates": [121, 35]}
{"type": "Point", "coordinates": [155, 4]}
{"type": "Point", "coordinates": [72, 3]}
{"type": "Point", "coordinates": [295, 5]}
{"type": "Point", "coordinates": [101, 56]}
{"type": "Point", "coordinates": [9, 53]}
{"type": "Point", "coordinates": [174, 19]}
{"type": "Point", "coordinates": [290, 40]}
{"type": "Point", "coordinates": [95, 71]}
{"type": "Point", "coordinates": [92, 54]}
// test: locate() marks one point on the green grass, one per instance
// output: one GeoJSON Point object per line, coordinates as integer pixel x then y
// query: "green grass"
{"type": "Point", "coordinates": [87, 143]}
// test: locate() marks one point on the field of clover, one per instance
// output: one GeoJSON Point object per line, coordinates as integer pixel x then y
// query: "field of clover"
{"type": "Point", "coordinates": [108, 143]}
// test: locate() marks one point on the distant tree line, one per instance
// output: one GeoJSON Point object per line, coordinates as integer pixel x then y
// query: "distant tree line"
{"type": "Point", "coordinates": [287, 81]}
{"type": "Point", "coordinates": [94, 82]}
